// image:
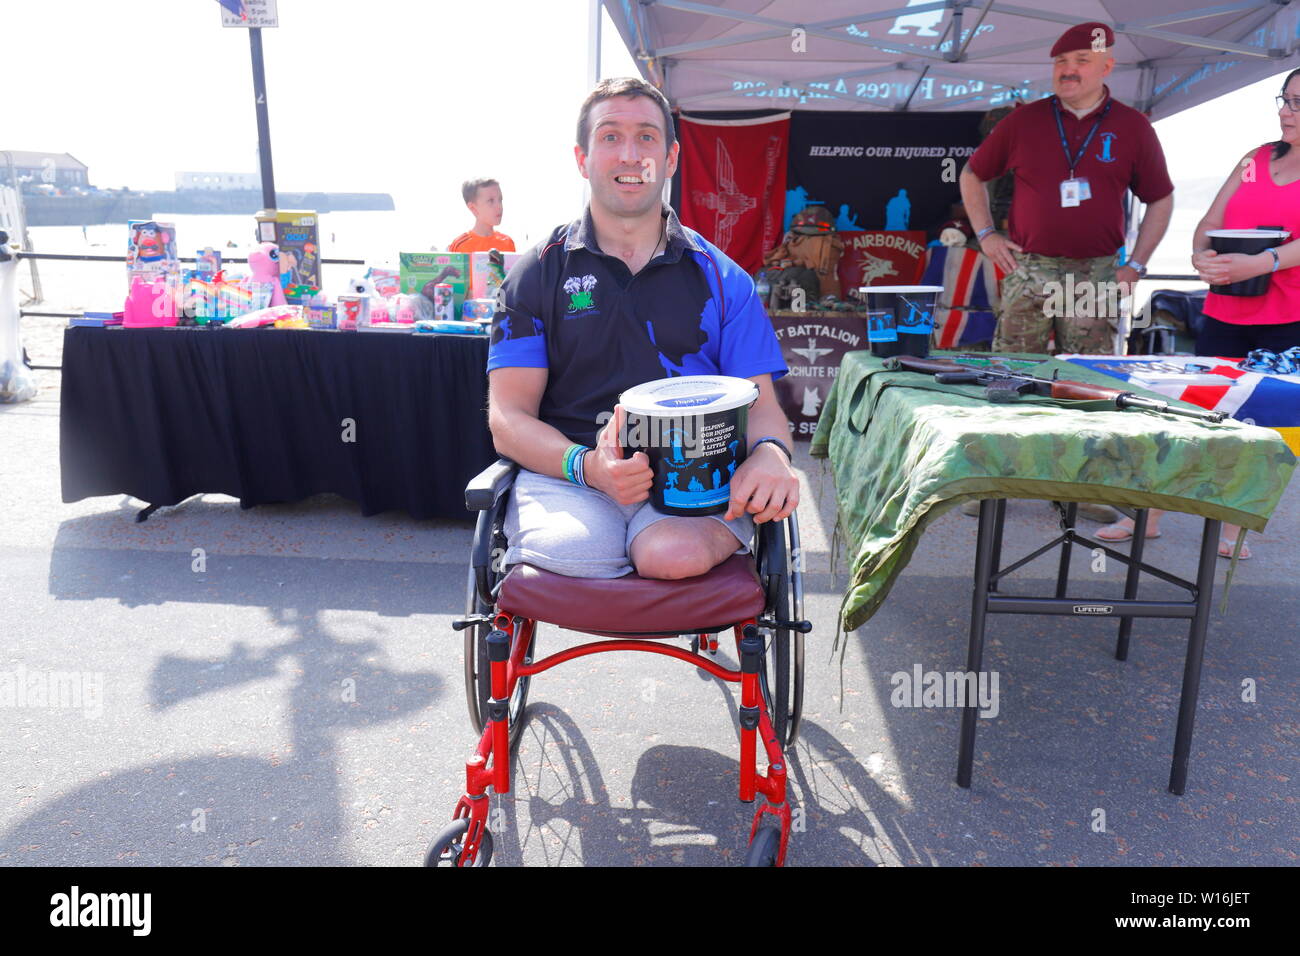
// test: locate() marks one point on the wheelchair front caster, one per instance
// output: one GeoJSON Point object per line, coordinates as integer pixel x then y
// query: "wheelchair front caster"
{"type": "Point", "coordinates": [765, 847]}
{"type": "Point", "coordinates": [447, 846]}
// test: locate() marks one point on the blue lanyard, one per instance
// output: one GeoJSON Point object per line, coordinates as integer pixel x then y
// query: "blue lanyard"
{"type": "Point", "coordinates": [1060, 128]}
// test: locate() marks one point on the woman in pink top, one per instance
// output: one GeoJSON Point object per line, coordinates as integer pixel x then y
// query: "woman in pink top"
{"type": "Point", "coordinates": [1264, 190]}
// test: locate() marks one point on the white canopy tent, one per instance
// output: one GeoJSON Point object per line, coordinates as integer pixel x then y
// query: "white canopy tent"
{"type": "Point", "coordinates": [944, 54]}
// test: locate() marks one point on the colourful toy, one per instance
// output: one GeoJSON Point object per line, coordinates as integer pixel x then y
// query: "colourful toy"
{"type": "Point", "coordinates": [300, 294]}
{"type": "Point", "coordinates": [421, 271]}
{"type": "Point", "coordinates": [488, 270]}
{"type": "Point", "coordinates": [404, 310]}
{"type": "Point", "coordinates": [297, 234]}
{"type": "Point", "coordinates": [362, 287]}
{"type": "Point", "coordinates": [387, 282]}
{"type": "Point", "coordinates": [478, 310]}
{"type": "Point", "coordinates": [207, 263]}
{"type": "Point", "coordinates": [200, 301]}
{"type": "Point", "coordinates": [150, 303]}
{"type": "Point", "coordinates": [444, 309]}
{"type": "Point", "coordinates": [319, 316]}
{"type": "Point", "coordinates": [353, 311]}
{"type": "Point", "coordinates": [379, 309]}
{"type": "Point", "coordinates": [264, 262]}
{"type": "Point", "coordinates": [308, 265]}
{"type": "Point", "coordinates": [151, 248]}
{"type": "Point", "coordinates": [291, 315]}
{"type": "Point", "coordinates": [235, 296]}
{"type": "Point", "coordinates": [459, 328]}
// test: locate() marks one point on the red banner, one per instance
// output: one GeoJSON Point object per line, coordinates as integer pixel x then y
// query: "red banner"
{"type": "Point", "coordinates": [733, 184]}
{"type": "Point", "coordinates": [881, 258]}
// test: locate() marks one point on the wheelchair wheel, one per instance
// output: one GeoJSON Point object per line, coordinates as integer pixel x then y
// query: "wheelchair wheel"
{"type": "Point", "coordinates": [478, 674]}
{"type": "Point", "coordinates": [764, 848]}
{"type": "Point", "coordinates": [781, 673]}
{"type": "Point", "coordinates": [446, 847]}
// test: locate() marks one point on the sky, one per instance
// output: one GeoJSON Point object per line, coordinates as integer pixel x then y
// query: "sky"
{"type": "Point", "coordinates": [389, 96]}
{"type": "Point", "coordinates": [382, 96]}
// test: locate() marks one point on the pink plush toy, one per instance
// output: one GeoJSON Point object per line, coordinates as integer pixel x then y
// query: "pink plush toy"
{"type": "Point", "coordinates": [264, 263]}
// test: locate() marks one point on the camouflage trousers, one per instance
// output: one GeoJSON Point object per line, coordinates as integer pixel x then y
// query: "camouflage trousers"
{"type": "Point", "coordinates": [1073, 299]}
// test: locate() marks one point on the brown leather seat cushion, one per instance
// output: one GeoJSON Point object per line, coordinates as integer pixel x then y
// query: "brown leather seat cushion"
{"type": "Point", "coordinates": [632, 604]}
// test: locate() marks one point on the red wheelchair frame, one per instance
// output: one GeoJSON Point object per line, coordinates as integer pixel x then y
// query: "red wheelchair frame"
{"type": "Point", "coordinates": [497, 695]}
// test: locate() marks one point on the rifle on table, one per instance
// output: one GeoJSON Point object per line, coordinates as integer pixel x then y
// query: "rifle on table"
{"type": "Point", "coordinates": [1002, 384]}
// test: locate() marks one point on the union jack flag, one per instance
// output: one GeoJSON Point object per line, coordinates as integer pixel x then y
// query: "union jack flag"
{"type": "Point", "coordinates": [1261, 398]}
{"type": "Point", "coordinates": [967, 311]}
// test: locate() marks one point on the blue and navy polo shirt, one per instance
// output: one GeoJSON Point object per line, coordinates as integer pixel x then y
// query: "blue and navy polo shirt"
{"type": "Point", "coordinates": [599, 330]}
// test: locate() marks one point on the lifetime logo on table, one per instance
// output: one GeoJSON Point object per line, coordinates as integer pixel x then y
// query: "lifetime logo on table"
{"type": "Point", "coordinates": [1094, 609]}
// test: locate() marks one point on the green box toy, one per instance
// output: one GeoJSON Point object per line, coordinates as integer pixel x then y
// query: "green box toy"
{"type": "Point", "coordinates": [419, 269]}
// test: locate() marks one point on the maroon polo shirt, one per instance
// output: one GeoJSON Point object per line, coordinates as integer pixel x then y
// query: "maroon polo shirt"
{"type": "Point", "coordinates": [1124, 154]}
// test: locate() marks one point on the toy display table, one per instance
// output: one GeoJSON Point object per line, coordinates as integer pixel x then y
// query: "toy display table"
{"type": "Point", "coordinates": [274, 415]}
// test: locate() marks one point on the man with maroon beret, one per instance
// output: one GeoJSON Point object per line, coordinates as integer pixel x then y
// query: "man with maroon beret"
{"type": "Point", "coordinates": [1073, 155]}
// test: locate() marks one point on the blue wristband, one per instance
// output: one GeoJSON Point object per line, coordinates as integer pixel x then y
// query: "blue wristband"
{"type": "Point", "coordinates": [579, 468]}
{"type": "Point", "coordinates": [770, 439]}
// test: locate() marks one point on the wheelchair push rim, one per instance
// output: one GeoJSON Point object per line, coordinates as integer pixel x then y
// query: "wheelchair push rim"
{"type": "Point", "coordinates": [781, 676]}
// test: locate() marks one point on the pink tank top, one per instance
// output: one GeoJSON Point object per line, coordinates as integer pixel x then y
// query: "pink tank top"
{"type": "Point", "coordinates": [1255, 204]}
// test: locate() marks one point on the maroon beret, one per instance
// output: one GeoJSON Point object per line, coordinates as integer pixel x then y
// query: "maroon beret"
{"type": "Point", "coordinates": [1080, 38]}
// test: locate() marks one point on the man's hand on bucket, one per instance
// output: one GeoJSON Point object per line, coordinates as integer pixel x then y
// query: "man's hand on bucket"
{"type": "Point", "coordinates": [765, 486]}
{"type": "Point", "coordinates": [626, 480]}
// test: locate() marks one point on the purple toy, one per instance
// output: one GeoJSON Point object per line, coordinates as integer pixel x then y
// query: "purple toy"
{"type": "Point", "coordinates": [264, 263]}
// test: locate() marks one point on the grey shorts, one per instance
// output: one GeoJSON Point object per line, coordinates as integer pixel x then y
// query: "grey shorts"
{"type": "Point", "coordinates": [581, 532]}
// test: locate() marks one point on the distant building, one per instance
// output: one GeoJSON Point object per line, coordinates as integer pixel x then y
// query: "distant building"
{"type": "Point", "coordinates": [53, 169]}
{"type": "Point", "coordinates": [221, 181]}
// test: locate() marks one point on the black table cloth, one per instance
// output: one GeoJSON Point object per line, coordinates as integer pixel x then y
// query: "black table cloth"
{"type": "Point", "coordinates": [264, 415]}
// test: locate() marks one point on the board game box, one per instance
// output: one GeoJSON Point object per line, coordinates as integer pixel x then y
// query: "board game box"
{"type": "Point", "coordinates": [297, 233]}
{"type": "Point", "coordinates": [486, 277]}
{"type": "Point", "coordinates": [420, 269]}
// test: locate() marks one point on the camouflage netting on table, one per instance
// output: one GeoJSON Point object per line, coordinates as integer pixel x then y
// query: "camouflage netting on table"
{"type": "Point", "coordinates": [904, 449]}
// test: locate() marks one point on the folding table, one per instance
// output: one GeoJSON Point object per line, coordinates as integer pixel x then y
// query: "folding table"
{"type": "Point", "coordinates": [904, 449]}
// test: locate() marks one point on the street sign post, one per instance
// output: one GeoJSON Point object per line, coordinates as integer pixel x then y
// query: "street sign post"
{"type": "Point", "coordinates": [256, 14]}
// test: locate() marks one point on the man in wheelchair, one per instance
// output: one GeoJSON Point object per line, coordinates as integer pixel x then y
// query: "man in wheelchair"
{"type": "Point", "coordinates": [625, 295]}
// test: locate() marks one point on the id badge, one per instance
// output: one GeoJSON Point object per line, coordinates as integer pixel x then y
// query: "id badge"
{"type": "Point", "coordinates": [1069, 193]}
{"type": "Point", "coordinates": [1085, 191]}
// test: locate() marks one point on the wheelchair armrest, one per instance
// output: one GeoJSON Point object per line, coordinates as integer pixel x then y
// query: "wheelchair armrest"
{"type": "Point", "coordinates": [485, 488]}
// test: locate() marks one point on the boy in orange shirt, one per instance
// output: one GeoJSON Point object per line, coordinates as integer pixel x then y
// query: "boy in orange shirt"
{"type": "Point", "coordinates": [483, 197]}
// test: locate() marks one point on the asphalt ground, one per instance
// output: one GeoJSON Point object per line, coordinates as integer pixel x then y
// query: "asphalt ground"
{"type": "Point", "coordinates": [298, 700]}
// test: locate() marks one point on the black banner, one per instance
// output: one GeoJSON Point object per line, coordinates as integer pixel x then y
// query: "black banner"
{"type": "Point", "coordinates": [879, 171]}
